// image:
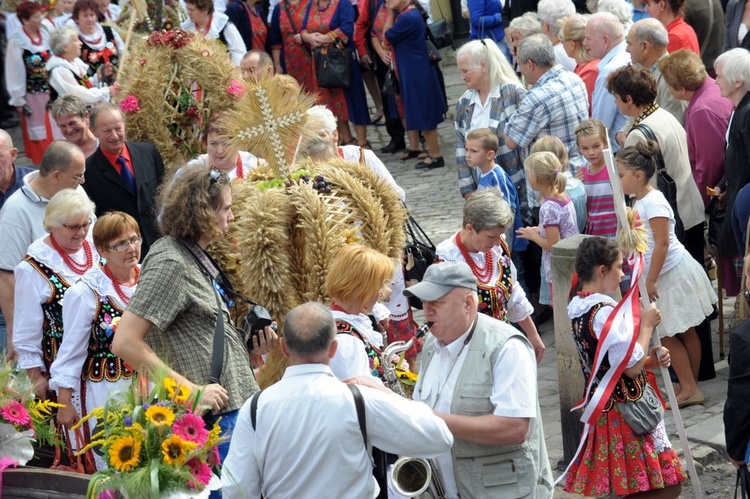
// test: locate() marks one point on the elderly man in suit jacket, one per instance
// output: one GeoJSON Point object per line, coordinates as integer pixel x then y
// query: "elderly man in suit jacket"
{"type": "Point", "coordinates": [122, 175]}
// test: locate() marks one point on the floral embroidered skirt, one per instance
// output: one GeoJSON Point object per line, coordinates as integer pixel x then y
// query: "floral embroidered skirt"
{"type": "Point", "coordinates": [615, 461]}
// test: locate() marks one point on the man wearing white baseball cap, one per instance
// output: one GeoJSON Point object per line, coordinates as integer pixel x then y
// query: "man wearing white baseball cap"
{"type": "Point", "coordinates": [479, 375]}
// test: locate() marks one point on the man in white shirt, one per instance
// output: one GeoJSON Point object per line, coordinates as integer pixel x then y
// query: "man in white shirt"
{"type": "Point", "coordinates": [479, 375]}
{"type": "Point", "coordinates": [550, 13]}
{"type": "Point", "coordinates": [309, 442]}
{"type": "Point", "coordinates": [63, 166]}
{"type": "Point", "coordinates": [605, 40]}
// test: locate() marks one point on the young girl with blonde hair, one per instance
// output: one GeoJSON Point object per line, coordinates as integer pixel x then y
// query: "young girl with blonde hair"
{"type": "Point", "coordinates": [557, 215]}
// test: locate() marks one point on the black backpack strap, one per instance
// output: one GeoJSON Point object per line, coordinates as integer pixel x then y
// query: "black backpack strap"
{"type": "Point", "coordinates": [359, 403]}
{"type": "Point", "coordinates": [254, 409]}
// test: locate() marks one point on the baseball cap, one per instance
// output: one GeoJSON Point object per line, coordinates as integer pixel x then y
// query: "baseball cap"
{"type": "Point", "coordinates": [442, 278]}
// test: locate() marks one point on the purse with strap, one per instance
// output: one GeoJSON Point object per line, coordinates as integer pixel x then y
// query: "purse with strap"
{"type": "Point", "coordinates": [419, 254]}
{"type": "Point", "coordinates": [644, 414]}
{"type": "Point", "coordinates": [664, 182]}
{"type": "Point", "coordinates": [390, 82]}
{"type": "Point", "coordinates": [332, 62]}
{"type": "Point", "coordinates": [83, 464]}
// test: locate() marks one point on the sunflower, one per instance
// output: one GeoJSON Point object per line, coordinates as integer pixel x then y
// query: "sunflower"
{"type": "Point", "coordinates": [160, 416]}
{"type": "Point", "coordinates": [178, 393]}
{"type": "Point", "coordinates": [124, 453]}
{"type": "Point", "coordinates": [175, 450]}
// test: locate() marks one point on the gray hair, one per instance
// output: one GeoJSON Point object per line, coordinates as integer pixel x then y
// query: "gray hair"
{"type": "Point", "coordinates": [552, 11]}
{"type": "Point", "coordinates": [499, 70]}
{"type": "Point", "coordinates": [69, 105]}
{"type": "Point", "coordinates": [487, 209]}
{"type": "Point", "coordinates": [607, 24]}
{"type": "Point", "coordinates": [57, 156]}
{"type": "Point", "coordinates": [621, 9]}
{"type": "Point", "coordinates": [652, 31]}
{"type": "Point", "coordinates": [320, 117]}
{"type": "Point", "coordinates": [316, 148]}
{"type": "Point", "coordinates": [60, 39]}
{"type": "Point", "coordinates": [537, 49]}
{"type": "Point", "coordinates": [66, 205]}
{"type": "Point", "coordinates": [309, 329]}
{"type": "Point", "coordinates": [102, 107]}
{"type": "Point", "coordinates": [735, 66]}
{"type": "Point", "coordinates": [527, 24]}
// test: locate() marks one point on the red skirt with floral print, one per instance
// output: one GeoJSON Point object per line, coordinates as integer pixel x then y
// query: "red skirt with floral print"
{"type": "Point", "coordinates": [615, 461]}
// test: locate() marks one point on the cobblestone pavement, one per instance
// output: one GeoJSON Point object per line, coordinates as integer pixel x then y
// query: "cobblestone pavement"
{"type": "Point", "coordinates": [434, 200]}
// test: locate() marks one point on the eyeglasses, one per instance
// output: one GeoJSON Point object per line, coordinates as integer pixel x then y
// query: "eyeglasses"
{"type": "Point", "coordinates": [123, 245]}
{"type": "Point", "coordinates": [79, 177]}
{"type": "Point", "coordinates": [76, 228]}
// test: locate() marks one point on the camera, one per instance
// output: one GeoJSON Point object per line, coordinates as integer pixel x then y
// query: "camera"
{"type": "Point", "coordinates": [253, 324]}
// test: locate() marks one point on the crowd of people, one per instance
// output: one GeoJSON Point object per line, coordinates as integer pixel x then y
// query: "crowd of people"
{"type": "Point", "coordinates": [105, 270]}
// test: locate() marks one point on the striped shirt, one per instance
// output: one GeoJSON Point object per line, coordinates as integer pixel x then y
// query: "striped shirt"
{"type": "Point", "coordinates": [600, 205]}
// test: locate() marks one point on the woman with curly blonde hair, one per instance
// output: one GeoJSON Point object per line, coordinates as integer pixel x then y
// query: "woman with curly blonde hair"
{"type": "Point", "coordinates": [172, 314]}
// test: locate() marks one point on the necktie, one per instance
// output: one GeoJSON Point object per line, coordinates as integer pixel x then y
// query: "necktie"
{"type": "Point", "coordinates": [126, 175]}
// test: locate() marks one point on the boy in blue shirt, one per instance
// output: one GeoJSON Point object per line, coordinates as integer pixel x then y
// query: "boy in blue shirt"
{"type": "Point", "coordinates": [481, 146]}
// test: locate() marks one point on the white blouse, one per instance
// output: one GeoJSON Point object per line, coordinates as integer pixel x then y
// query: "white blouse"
{"type": "Point", "coordinates": [31, 291]}
{"type": "Point", "coordinates": [249, 161]}
{"type": "Point", "coordinates": [351, 359]}
{"type": "Point", "coordinates": [518, 306]}
{"type": "Point", "coordinates": [62, 79]}
{"type": "Point", "coordinates": [15, 69]}
{"type": "Point", "coordinates": [98, 39]}
{"type": "Point", "coordinates": [79, 311]}
{"type": "Point", "coordinates": [235, 43]}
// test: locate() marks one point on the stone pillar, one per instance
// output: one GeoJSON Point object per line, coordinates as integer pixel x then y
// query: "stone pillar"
{"type": "Point", "coordinates": [569, 376]}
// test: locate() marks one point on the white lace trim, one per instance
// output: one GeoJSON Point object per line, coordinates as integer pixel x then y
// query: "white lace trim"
{"type": "Point", "coordinates": [97, 280]}
{"type": "Point", "coordinates": [579, 306]}
{"type": "Point", "coordinates": [362, 324]}
{"type": "Point", "coordinates": [47, 255]}
{"type": "Point", "coordinates": [448, 251]}
{"type": "Point", "coordinates": [63, 381]}
{"type": "Point", "coordinates": [29, 360]}
{"type": "Point", "coordinates": [98, 35]}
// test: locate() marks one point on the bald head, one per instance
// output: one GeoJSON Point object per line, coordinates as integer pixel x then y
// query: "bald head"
{"type": "Point", "coordinates": [8, 155]}
{"type": "Point", "coordinates": [603, 32]}
{"type": "Point", "coordinates": [5, 139]}
{"type": "Point", "coordinates": [652, 31]}
{"type": "Point", "coordinates": [309, 330]}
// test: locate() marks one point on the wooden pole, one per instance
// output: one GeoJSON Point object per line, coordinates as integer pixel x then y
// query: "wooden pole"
{"type": "Point", "coordinates": [128, 36]}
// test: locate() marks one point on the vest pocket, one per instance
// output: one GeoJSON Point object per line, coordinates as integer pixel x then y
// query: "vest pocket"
{"type": "Point", "coordinates": [507, 476]}
{"type": "Point", "coordinates": [475, 400]}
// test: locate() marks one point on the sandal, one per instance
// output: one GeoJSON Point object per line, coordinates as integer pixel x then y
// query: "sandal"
{"type": "Point", "coordinates": [430, 162]}
{"type": "Point", "coordinates": [410, 154]}
{"type": "Point", "coordinates": [424, 155]}
{"type": "Point", "coordinates": [366, 145]}
{"type": "Point", "coordinates": [377, 120]}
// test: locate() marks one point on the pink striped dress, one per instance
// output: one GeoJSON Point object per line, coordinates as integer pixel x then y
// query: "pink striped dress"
{"type": "Point", "coordinates": [602, 220]}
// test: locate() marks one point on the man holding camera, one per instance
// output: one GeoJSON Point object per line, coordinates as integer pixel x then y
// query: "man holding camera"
{"type": "Point", "coordinates": [306, 436]}
{"type": "Point", "coordinates": [479, 375]}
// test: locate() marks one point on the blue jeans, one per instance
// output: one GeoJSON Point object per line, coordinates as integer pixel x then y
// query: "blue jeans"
{"type": "Point", "coordinates": [227, 424]}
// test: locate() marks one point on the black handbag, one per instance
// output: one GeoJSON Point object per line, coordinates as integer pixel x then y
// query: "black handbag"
{"type": "Point", "coordinates": [441, 31]}
{"type": "Point", "coordinates": [333, 65]}
{"type": "Point", "coordinates": [390, 83]}
{"type": "Point", "coordinates": [716, 215]}
{"type": "Point", "coordinates": [419, 254]}
{"type": "Point", "coordinates": [664, 182]}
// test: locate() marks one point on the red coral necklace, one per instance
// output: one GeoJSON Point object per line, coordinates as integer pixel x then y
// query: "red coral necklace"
{"type": "Point", "coordinates": [78, 268]}
{"type": "Point", "coordinates": [484, 274]}
{"type": "Point", "coordinates": [118, 287]}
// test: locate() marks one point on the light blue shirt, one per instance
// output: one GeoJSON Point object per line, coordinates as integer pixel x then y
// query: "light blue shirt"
{"type": "Point", "coordinates": [603, 105]}
{"type": "Point", "coordinates": [639, 13]}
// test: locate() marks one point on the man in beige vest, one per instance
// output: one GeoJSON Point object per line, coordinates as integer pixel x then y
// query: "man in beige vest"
{"type": "Point", "coordinates": [479, 376]}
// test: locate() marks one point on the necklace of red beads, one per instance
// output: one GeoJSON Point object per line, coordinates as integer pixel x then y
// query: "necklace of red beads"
{"type": "Point", "coordinates": [35, 40]}
{"type": "Point", "coordinates": [240, 169]}
{"type": "Point", "coordinates": [118, 286]}
{"type": "Point", "coordinates": [78, 268]}
{"type": "Point", "coordinates": [484, 274]}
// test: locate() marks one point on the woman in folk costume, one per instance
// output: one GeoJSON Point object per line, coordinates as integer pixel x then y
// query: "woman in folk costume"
{"type": "Point", "coordinates": [101, 46]}
{"type": "Point", "coordinates": [221, 156]}
{"type": "Point", "coordinates": [614, 459]}
{"type": "Point", "coordinates": [92, 311]}
{"type": "Point", "coordinates": [202, 19]}
{"type": "Point", "coordinates": [481, 244]}
{"type": "Point", "coordinates": [27, 83]}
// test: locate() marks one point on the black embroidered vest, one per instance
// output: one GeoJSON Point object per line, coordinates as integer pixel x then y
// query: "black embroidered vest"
{"type": "Point", "coordinates": [101, 364]}
{"type": "Point", "coordinates": [493, 297]}
{"type": "Point", "coordinates": [52, 328]}
{"type": "Point", "coordinates": [627, 389]}
{"type": "Point", "coordinates": [373, 353]}
{"type": "Point", "coordinates": [96, 58]}
{"type": "Point", "coordinates": [36, 75]}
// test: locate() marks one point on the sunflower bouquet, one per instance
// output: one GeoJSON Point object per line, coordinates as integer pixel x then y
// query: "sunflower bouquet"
{"type": "Point", "coordinates": [23, 417]}
{"type": "Point", "coordinates": [155, 445]}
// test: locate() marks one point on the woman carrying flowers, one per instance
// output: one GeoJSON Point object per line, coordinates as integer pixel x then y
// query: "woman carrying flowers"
{"type": "Point", "coordinates": [93, 307]}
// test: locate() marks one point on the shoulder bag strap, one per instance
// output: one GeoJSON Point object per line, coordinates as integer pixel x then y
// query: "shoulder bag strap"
{"type": "Point", "coordinates": [217, 355]}
{"type": "Point", "coordinates": [254, 409]}
{"type": "Point", "coordinates": [649, 135]}
{"type": "Point", "coordinates": [359, 403]}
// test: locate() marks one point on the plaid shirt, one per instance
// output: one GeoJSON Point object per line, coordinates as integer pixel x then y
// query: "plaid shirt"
{"type": "Point", "coordinates": [554, 105]}
{"type": "Point", "coordinates": [503, 103]}
{"type": "Point", "coordinates": [176, 296]}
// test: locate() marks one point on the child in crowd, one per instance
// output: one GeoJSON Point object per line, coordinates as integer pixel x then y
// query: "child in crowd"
{"type": "Point", "coordinates": [557, 215]}
{"type": "Point", "coordinates": [591, 136]}
{"type": "Point", "coordinates": [481, 147]}
{"type": "Point", "coordinates": [615, 460]}
{"type": "Point", "coordinates": [573, 187]}
{"type": "Point", "coordinates": [674, 280]}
